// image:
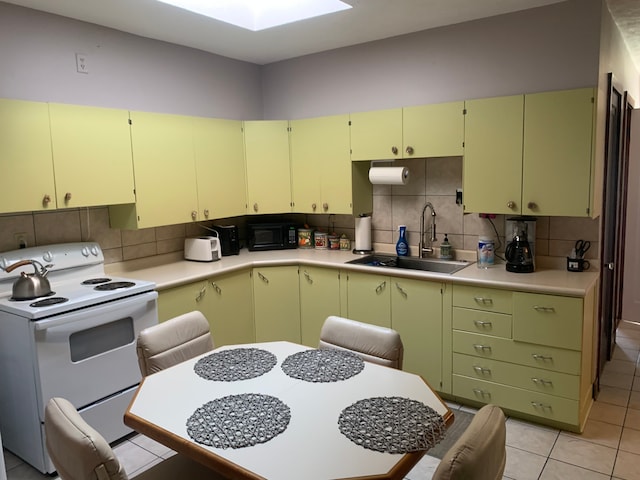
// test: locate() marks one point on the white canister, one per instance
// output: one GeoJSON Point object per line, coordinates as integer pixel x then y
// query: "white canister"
{"type": "Point", "coordinates": [486, 252]}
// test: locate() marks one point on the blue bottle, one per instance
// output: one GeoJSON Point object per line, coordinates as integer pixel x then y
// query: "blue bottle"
{"type": "Point", "coordinates": [402, 247]}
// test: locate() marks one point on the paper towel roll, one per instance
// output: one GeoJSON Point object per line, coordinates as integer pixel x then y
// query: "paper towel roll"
{"type": "Point", "coordinates": [363, 234]}
{"type": "Point", "coordinates": [389, 175]}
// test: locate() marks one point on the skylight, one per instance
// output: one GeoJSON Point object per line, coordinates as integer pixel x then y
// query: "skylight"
{"type": "Point", "coordinates": [260, 14]}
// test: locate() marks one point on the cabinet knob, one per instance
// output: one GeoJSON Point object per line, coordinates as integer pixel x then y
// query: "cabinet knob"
{"type": "Point", "coordinates": [46, 200]}
{"type": "Point", "coordinates": [532, 206]}
{"type": "Point", "coordinates": [313, 207]}
{"type": "Point", "coordinates": [67, 197]}
{"type": "Point", "coordinates": [511, 204]}
{"type": "Point", "coordinates": [255, 207]}
{"type": "Point", "coordinates": [206, 213]}
{"type": "Point", "coordinates": [194, 214]}
{"type": "Point", "coordinates": [409, 150]}
{"type": "Point", "coordinates": [394, 150]}
{"type": "Point", "coordinates": [325, 206]}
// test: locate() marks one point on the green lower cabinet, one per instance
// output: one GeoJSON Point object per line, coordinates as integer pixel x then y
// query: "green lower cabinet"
{"type": "Point", "coordinates": [185, 298]}
{"type": "Point", "coordinates": [416, 314]}
{"type": "Point", "coordinates": [319, 298]}
{"type": "Point", "coordinates": [276, 304]}
{"type": "Point", "coordinates": [368, 298]}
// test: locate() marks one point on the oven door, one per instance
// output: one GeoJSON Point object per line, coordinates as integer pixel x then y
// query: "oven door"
{"type": "Point", "coordinates": [90, 354]}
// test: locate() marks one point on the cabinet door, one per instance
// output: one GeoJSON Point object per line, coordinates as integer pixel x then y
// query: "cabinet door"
{"type": "Point", "coordinates": [179, 300]}
{"type": "Point", "coordinates": [319, 298]}
{"type": "Point", "coordinates": [268, 172]}
{"type": "Point", "coordinates": [91, 155]}
{"type": "Point", "coordinates": [433, 130]}
{"type": "Point", "coordinates": [25, 156]}
{"type": "Point", "coordinates": [376, 135]}
{"type": "Point", "coordinates": [492, 166]}
{"type": "Point", "coordinates": [558, 153]}
{"type": "Point", "coordinates": [416, 314]}
{"type": "Point", "coordinates": [368, 298]}
{"type": "Point", "coordinates": [276, 304]}
{"type": "Point", "coordinates": [165, 174]}
{"type": "Point", "coordinates": [220, 169]}
{"type": "Point", "coordinates": [230, 308]}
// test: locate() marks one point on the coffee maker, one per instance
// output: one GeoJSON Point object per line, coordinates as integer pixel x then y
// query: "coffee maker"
{"type": "Point", "coordinates": [519, 252]}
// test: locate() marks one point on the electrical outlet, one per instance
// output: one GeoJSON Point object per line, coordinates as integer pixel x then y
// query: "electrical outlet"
{"type": "Point", "coordinates": [21, 240]}
{"type": "Point", "coordinates": [82, 65]}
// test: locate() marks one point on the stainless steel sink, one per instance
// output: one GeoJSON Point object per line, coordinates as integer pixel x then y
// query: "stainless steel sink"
{"type": "Point", "coordinates": [412, 263]}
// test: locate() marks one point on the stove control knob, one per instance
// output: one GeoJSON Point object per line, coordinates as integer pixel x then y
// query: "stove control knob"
{"type": "Point", "coordinates": [47, 256]}
{"type": "Point", "coordinates": [94, 251]}
{"type": "Point", "coordinates": [85, 251]}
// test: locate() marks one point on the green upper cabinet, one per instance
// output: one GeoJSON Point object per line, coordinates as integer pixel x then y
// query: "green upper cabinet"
{"type": "Point", "coordinates": [266, 146]}
{"type": "Point", "coordinates": [323, 177]}
{"type": "Point", "coordinates": [219, 156]}
{"type": "Point", "coordinates": [558, 153]}
{"type": "Point", "coordinates": [492, 166]}
{"type": "Point", "coordinates": [86, 140]}
{"type": "Point", "coordinates": [433, 130]}
{"type": "Point", "coordinates": [530, 154]}
{"type": "Point", "coordinates": [165, 173]}
{"type": "Point", "coordinates": [376, 135]}
{"type": "Point", "coordinates": [25, 156]}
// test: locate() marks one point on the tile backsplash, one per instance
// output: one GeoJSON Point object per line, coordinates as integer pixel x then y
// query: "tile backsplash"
{"type": "Point", "coordinates": [434, 180]}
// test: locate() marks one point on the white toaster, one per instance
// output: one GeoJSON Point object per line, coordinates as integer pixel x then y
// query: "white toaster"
{"type": "Point", "coordinates": [202, 249]}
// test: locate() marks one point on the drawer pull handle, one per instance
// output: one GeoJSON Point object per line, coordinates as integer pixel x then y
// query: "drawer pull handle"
{"type": "Point", "coordinates": [542, 406]}
{"type": "Point", "coordinates": [542, 357]}
{"type": "Point", "coordinates": [263, 278]}
{"type": "Point", "coordinates": [482, 370]}
{"type": "Point", "coordinates": [380, 287]}
{"type": "Point", "coordinates": [541, 309]}
{"type": "Point", "coordinates": [308, 277]}
{"type": "Point", "coordinates": [481, 393]}
{"type": "Point", "coordinates": [541, 381]}
{"type": "Point", "coordinates": [483, 300]}
{"type": "Point", "coordinates": [482, 324]}
{"type": "Point", "coordinates": [401, 290]}
{"type": "Point", "coordinates": [216, 288]}
{"type": "Point", "coordinates": [482, 347]}
{"type": "Point", "coordinates": [201, 293]}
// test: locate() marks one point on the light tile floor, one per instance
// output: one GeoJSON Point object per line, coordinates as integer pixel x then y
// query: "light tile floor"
{"type": "Point", "coordinates": [609, 448]}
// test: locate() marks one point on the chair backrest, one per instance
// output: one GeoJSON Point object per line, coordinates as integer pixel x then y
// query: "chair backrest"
{"type": "Point", "coordinates": [173, 341]}
{"type": "Point", "coordinates": [77, 450]}
{"type": "Point", "coordinates": [373, 343]}
{"type": "Point", "coordinates": [480, 451]}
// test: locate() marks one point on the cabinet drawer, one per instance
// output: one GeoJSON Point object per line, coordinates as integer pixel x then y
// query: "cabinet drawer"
{"type": "Point", "coordinates": [529, 378]}
{"type": "Point", "coordinates": [531, 403]}
{"type": "Point", "coordinates": [488, 299]}
{"type": "Point", "coordinates": [478, 321]}
{"type": "Point", "coordinates": [548, 320]}
{"type": "Point", "coordinates": [528, 354]}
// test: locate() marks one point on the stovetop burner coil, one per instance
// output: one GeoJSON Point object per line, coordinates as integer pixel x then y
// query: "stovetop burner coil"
{"type": "Point", "coordinates": [46, 302]}
{"type": "Point", "coordinates": [114, 286]}
{"type": "Point", "coordinates": [96, 281]}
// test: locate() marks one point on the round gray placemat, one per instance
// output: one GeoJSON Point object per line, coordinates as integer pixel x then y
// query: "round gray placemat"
{"type": "Point", "coordinates": [238, 421]}
{"type": "Point", "coordinates": [235, 364]}
{"type": "Point", "coordinates": [392, 424]}
{"type": "Point", "coordinates": [322, 365]}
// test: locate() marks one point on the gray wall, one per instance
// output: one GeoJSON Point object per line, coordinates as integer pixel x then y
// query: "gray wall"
{"type": "Point", "coordinates": [547, 48]}
{"type": "Point", "coordinates": [37, 55]}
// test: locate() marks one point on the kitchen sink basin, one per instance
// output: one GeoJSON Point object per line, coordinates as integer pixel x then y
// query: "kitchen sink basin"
{"type": "Point", "coordinates": [412, 263]}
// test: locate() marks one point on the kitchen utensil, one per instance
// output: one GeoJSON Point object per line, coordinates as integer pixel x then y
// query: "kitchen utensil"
{"type": "Point", "coordinates": [30, 285]}
{"type": "Point", "coordinates": [582, 246]}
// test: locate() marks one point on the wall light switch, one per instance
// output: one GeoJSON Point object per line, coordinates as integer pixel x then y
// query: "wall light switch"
{"type": "Point", "coordinates": [81, 63]}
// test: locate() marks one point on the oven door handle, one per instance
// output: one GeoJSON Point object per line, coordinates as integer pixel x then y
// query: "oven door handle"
{"type": "Point", "coordinates": [80, 315]}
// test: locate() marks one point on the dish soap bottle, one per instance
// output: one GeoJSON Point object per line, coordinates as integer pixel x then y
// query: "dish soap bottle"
{"type": "Point", "coordinates": [402, 247]}
{"type": "Point", "coordinates": [445, 249]}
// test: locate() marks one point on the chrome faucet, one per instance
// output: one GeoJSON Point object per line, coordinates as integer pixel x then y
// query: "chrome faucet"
{"type": "Point", "coordinates": [426, 247]}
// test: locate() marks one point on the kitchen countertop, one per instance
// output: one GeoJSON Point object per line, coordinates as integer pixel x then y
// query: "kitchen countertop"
{"type": "Point", "coordinates": [171, 270]}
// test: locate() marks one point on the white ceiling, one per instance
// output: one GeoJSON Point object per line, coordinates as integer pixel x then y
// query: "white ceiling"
{"type": "Point", "coordinates": [369, 20]}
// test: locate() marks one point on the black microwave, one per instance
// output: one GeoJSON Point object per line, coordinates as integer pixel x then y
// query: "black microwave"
{"type": "Point", "coordinates": [271, 236]}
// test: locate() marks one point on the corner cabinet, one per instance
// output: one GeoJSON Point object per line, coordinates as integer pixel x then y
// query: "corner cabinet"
{"type": "Point", "coordinates": [85, 140]}
{"type": "Point", "coordinates": [266, 145]}
{"type": "Point", "coordinates": [530, 154]}
{"type": "Point", "coordinates": [528, 353]}
{"type": "Point", "coordinates": [276, 304]}
{"type": "Point", "coordinates": [25, 153]}
{"type": "Point", "coordinates": [324, 180]}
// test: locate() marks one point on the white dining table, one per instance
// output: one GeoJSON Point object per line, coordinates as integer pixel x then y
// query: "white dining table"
{"type": "Point", "coordinates": [310, 448]}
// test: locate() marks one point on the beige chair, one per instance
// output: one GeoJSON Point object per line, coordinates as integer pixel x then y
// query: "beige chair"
{"type": "Point", "coordinates": [173, 341]}
{"type": "Point", "coordinates": [372, 343]}
{"type": "Point", "coordinates": [479, 454]}
{"type": "Point", "coordinates": [79, 452]}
